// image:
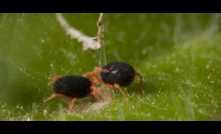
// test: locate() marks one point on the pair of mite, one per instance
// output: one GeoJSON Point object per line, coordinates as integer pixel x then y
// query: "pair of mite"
{"type": "Point", "coordinates": [114, 74]}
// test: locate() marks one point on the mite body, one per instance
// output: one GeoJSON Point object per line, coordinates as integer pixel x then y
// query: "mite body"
{"type": "Point", "coordinates": [116, 74]}
{"type": "Point", "coordinates": [74, 87]}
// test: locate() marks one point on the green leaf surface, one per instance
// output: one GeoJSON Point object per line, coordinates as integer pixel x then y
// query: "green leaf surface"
{"type": "Point", "coordinates": [178, 55]}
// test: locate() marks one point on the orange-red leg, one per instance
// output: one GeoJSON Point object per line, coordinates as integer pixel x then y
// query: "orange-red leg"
{"type": "Point", "coordinates": [96, 96]}
{"type": "Point", "coordinates": [141, 81]}
{"type": "Point", "coordinates": [63, 96]}
{"type": "Point", "coordinates": [93, 78]}
{"type": "Point", "coordinates": [94, 88]}
{"type": "Point", "coordinates": [118, 87]}
{"type": "Point", "coordinates": [72, 104]}
{"type": "Point", "coordinates": [94, 75]}
{"type": "Point", "coordinates": [54, 79]}
{"type": "Point", "coordinates": [55, 95]}
{"type": "Point", "coordinates": [121, 90]}
{"type": "Point", "coordinates": [99, 70]}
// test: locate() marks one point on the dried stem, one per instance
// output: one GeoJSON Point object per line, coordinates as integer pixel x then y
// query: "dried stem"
{"type": "Point", "coordinates": [100, 38]}
{"type": "Point", "coordinates": [100, 29]}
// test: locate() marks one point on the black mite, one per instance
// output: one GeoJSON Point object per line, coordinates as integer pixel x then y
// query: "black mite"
{"type": "Point", "coordinates": [116, 74]}
{"type": "Point", "coordinates": [74, 87]}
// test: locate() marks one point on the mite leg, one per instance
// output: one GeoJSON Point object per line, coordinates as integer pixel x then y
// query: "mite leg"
{"type": "Point", "coordinates": [118, 87]}
{"type": "Point", "coordinates": [109, 86]}
{"type": "Point", "coordinates": [94, 75]}
{"type": "Point", "coordinates": [72, 104]}
{"type": "Point", "coordinates": [88, 74]}
{"type": "Point", "coordinates": [55, 95]}
{"type": "Point", "coordinates": [94, 88]}
{"type": "Point", "coordinates": [93, 78]}
{"type": "Point", "coordinates": [121, 90]}
{"type": "Point", "coordinates": [99, 70]}
{"type": "Point", "coordinates": [96, 96]}
{"type": "Point", "coordinates": [141, 81]}
{"type": "Point", "coordinates": [54, 79]}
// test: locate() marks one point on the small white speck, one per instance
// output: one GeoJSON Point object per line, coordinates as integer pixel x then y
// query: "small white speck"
{"type": "Point", "coordinates": [208, 77]}
{"type": "Point", "coordinates": [42, 41]}
{"type": "Point", "coordinates": [144, 51]}
{"type": "Point", "coordinates": [115, 71]}
{"type": "Point", "coordinates": [45, 111]}
{"type": "Point", "coordinates": [207, 66]}
{"type": "Point", "coordinates": [177, 69]}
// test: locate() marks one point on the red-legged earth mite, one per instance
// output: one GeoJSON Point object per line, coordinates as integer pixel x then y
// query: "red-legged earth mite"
{"type": "Point", "coordinates": [74, 87]}
{"type": "Point", "coordinates": [116, 74]}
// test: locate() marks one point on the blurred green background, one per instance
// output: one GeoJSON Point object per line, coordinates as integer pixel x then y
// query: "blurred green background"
{"type": "Point", "coordinates": [179, 56]}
